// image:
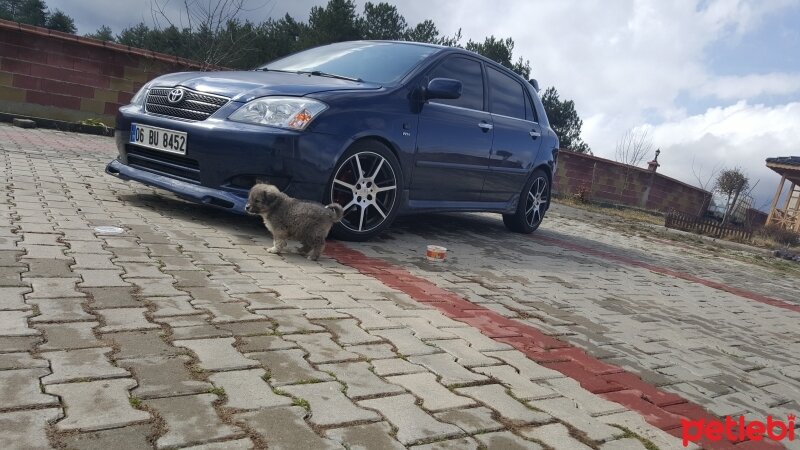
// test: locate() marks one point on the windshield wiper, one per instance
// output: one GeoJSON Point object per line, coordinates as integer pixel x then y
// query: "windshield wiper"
{"type": "Point", "coordinates": [329, 75]}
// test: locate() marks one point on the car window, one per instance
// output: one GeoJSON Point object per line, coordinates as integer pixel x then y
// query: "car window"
{"type": "Point", "coordinates": [530, 112]}
{"type": "Point", "coordinates": [468, 71]}
{"type": "Point", "coordinates": [506, 96]}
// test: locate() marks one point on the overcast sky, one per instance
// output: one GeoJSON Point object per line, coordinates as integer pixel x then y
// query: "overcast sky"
{"type": "Point", "coordinates": [715, 82]}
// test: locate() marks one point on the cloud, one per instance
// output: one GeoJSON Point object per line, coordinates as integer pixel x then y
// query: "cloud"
{"type": "Point", "coordinates": [750, 86]}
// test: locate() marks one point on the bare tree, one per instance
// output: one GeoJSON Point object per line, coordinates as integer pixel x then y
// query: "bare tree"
{"type": "Point", "coordinates": [732, 182]}
{"type": "Point", "coordinates": [706, 182]}
{"type": "Point", "coordinates": [215, 25]}
{"type": "Point", "coordinates": [634, 146]}
{"type": "Point", "coordinates": [631, 149]}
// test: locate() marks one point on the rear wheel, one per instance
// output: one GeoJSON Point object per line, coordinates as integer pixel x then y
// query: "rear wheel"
{"type": "Point", "coordinates": [367, 183]}
{"type": "Point", "coordinates": [532, 204]}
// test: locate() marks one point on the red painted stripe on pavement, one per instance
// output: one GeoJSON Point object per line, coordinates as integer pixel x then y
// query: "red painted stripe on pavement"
{"type": "Point", "coordinates": [673, 273]}
{"type": "Point", "coordinates": [661, 409]}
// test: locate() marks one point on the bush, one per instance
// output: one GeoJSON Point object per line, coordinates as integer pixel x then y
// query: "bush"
{"type": "Point", "coordinates": [780, 235]}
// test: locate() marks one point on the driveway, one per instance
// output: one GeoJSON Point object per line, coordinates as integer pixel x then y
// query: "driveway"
{"type": "Point", "coordinates": [180, 331]}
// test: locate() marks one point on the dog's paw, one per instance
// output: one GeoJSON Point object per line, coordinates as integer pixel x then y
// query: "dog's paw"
{"type": "Point", "coordinates": [273, 250]}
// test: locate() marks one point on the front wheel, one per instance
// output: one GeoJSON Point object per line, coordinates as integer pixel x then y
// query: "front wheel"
{"type": "Point", "coordinates": [532, 204]}
{"type": "Point", "coordinates": [367, 183]}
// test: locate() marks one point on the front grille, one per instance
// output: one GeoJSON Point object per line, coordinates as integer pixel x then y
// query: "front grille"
{"type": "Point", "coordinates": [174, 166]}
{"type": "Point", "coordinates": [194, 105]}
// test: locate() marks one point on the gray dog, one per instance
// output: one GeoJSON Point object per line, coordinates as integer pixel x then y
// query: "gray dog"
{"type": "Point", "coordinates": [289, 218]}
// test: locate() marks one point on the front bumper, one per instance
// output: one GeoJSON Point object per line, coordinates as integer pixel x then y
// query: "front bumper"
{"type": "Point", "coordinates": [183, 189]}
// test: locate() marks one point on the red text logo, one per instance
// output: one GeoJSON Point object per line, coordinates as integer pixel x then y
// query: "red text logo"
{"type": "Point", "coordinates": [737, 430]}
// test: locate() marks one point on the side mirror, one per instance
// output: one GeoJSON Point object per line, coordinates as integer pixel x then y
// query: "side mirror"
{"type": "Point", "coordinates": [446, 88]}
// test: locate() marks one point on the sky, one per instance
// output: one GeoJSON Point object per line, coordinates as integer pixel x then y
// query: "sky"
{"type": "Point", "coordinates": [715, 83]}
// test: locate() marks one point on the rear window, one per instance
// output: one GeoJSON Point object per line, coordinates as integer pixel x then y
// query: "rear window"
{"type": "Point", "coordinates": [506, 95]}
{"type": "Point", "coordinates": [376, 62]}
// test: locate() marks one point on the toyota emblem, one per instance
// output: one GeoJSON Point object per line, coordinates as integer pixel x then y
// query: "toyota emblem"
{"type": "Point", "coordinates": [175, 95]}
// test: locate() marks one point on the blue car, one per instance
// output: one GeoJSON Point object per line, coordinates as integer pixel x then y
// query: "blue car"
{"type": "Point", "coordinates": [381, 128]}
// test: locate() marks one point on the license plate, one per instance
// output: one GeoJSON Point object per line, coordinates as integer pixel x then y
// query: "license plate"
{"type": "Point", "coordinates": [158, 138]}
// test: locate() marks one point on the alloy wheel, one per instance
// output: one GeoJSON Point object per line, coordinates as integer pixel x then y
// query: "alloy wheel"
{"type": "Point", "coordinates": [366, 187]}
{"type": "Point", "coordinates": [536, 201]}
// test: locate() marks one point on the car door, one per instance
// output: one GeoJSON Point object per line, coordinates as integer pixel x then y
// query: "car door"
{"type": "Point", "coordinates": [454, 137]}
{"type": "Point", "coordinates": [517, 136]}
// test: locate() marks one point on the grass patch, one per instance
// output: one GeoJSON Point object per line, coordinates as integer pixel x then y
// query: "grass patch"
{"type": "Point", "coordinates": [301, 402]}
{"type": "Point", "coordinates": [217, 391]}
{"type": "Point", "coordinates": [648, 444]}
{"type": "Point", "coordinates": [136, 402]}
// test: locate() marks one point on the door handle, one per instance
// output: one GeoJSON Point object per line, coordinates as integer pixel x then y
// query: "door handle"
{"type": "Point", "coordinates": [485, 126]}
{"type": "Point", "coordinates": [534, 134]}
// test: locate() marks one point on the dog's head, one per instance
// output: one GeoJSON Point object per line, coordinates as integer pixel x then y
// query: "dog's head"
{"type": "Point", "coordinates": [263, 198]}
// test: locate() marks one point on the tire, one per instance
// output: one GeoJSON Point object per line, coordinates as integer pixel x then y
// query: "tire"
{"type": "Point", "coordinates": [370, 199]}
{"type": "Point", "coordinates": [532, 205]}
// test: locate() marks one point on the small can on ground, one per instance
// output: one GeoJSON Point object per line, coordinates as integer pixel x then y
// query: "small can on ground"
{"type": "Point", "coordinates": [436, 253]}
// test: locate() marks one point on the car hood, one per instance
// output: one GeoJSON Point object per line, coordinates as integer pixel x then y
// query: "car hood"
{"type": "Point", "coordinates": [244, 86]}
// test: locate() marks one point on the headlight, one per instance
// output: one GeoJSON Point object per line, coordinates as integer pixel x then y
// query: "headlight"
{"type": "Point", "coordinates": [138, 99]}
{"type": "Point", "coordinates": [294, 113]}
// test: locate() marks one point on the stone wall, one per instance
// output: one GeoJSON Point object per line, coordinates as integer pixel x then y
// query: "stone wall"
{"type": "Point", "coordinates": [60, 76]}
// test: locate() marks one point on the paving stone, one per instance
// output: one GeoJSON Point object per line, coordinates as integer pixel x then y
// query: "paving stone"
{"type": "Point", "coordinates": [246, 389]}
{"type": "Point", "coordinates": [11, 298]}
{"type": "Point", "coordinates": [373, 436]}
{"type": "Point", "coordinates": [284, 429]}
{"type": "Point", "coordinates": [435, 397]}
{"type": "Point", "coordinates": [506, 440]}
{"type": "Point", "coordinates": [412, 423]}
{"type": "Point", "coordinates": [360, 380]}
{"type": "Point", "coordinates": [478, 340]}
{"type": "Point", "coordinates": [321, 348]}
{"type": "Point", "coordinates": [60, 310]}
{"type": "Point", "coordinates": [111, 297]}
{"type": "Point", "coordinates": [369, 319]}
{"type": "Point", "coordinates": [97, 405]}
{"type": "Point", "coordinates": [444, 365]}
{"type": "Point", "coordinates": [217, 354]}
{"type": "Point", "coordinates": [81, 365]}
{"type": "Point", "coordinates": [264, 343]}
{"type": "Point", "coordinates": [594, 405]}
{"type": "Point", "coordinates": [66, 336]}
{"type": "Point", "coordinates": [455, 444]}
{"type": "Point", "coordinates": [202, 331]}
{"type": "Point", "coordinates": [568, 413]}
{"type": "Point", "coordinates": [190, 419]}
{"type": "Point", "coordinates": [49, 268]}
{"type": "Point", "coordinates": [26, 429]}
{"type": "Point", "coordinates": [249, 328]}
{"type": "Point", "coordinates": [328, 405]}
{"type": "Point", "coordinates": [20, 388]}
{"type": "Point", "coordinates": [423, 329]}
{"type": "Point", "coordinates": [348, 332]}
{"type": "Point", "coordinates": [46, 252]}
{"type": "Point", "coordinates": [53, 288]}
{"type": "Point", "coordinates": [172, 306]}
{"type": "Point", "coordinates": [623, 444]}
{"type": "Point", "coordinates": [101, 278]}
{"type": "Point", "coordinates": [163, 377]}
{"type": "Point", "coordinates": [156, 287]}
{"type": "Point", "coordinates": [189, 278]}
{"type": "Point", "coordinates": [8, 258]}
{"type": "Point", "coordinates": [471, 420]}
{"type": "Point", "coordinates": [230, 312]}
{"type": "Point", "coordinates": [521, 387]}
{"type": "Point", "coordinates": [142, 270]}
{"type": "Point", "coordinates": [12, 277]}
{"type": "Point", "coordinates": [141, 344]}
{"type": "Point", "coordinates": [19, 343]}
{"type": "Point", "coordinates": [395, 366]}
{"type": "Point", "coordinates": [125, 319]}
{"type": "Point", "coordinates": [132, 437]}
{"type": "Point", "coordinates": [262, 300]}
{"type": "Point", "coordinates": [288, 366]}
{"type": "Point", "coordinates": [93, 261]}
{"type": "Point", "coordinates": [21, 360]}
{"type": "Point", "coordinates": [207, 295]}
{"type": "Point", "coordinates": [465, 355]}
{"type": "Point", "coordinates": [372, 351]}
{"type": "Point", "coordinates": [15, 323]}
{"type": "Point", "coordinates": [405, 342]}
{"type": "Point", "coordinates": [238, 444]}
{"type": "Point", "coordinates": [290, 321]}
{"type": "Point", "coordinates": [494, 396]}
{"type": "Point", "coordinates": [525, 366]}
{"type": "Point", "coordinates": [555, 435]}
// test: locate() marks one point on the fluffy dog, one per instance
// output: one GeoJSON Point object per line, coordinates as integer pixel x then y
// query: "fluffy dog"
{"type": "Point", "coordinates": [289, 218]}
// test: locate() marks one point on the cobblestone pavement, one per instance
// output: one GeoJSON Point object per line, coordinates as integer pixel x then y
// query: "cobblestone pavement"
{"type": "Point", "coordinates": [183, 332]}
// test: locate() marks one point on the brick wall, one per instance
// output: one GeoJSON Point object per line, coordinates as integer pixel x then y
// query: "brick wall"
{"type": "Point", "coordinates": [613, 182]}
{"type": "Point", "coordinates": [54, 75]}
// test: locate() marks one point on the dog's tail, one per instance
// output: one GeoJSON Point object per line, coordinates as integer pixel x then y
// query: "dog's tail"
{"type": "Point", "coordinates": [336, 211]}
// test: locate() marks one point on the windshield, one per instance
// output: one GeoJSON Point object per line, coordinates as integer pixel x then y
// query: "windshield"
{"type": "Point", "coordinates": [376, 62]}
